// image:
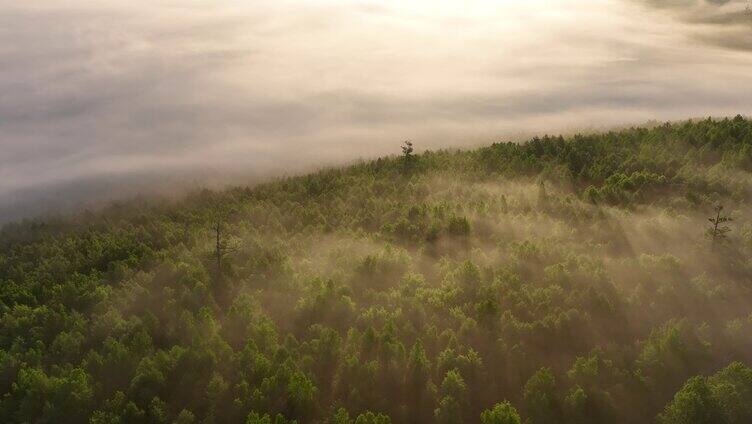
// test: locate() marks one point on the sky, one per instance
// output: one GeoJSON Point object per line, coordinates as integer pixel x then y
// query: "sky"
{"type": "Point", "coordinates": [101, 99]}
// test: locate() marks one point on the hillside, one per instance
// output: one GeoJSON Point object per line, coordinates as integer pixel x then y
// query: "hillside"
{"type": "Point", "coordinates": [568, 280]}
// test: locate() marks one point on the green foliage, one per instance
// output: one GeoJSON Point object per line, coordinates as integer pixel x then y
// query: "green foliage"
{"type": "Point", "coordinates": [458, 226]}
{"type": "Point", "coordinates": [724, 398]}
{"type": "Point", "coordinates": [43, 398]}
{"type": "Point", "coordinates": [501, 413]}
{"type": "Point", "coordinates": [568, 275]}
{"type": "Point", "coordinates": [449, 411]}
{"type": "Point", "coordinates": [255, 418]}
{"type": "Point", "coordinates": [371, 418]}
{"type": "Point", "coordinates": [693, 404]}
{"type": "Point", "coordinates": [368, 417]}
{"type": "Point", "coordinates": [540, 397]}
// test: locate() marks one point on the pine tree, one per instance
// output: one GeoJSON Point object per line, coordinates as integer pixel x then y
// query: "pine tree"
{"type": "Point", "coordinates": [719, 231]}
{"type": "Point", "coordinates": [408, 158]}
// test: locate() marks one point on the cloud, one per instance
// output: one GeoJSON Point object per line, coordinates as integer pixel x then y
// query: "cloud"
{"type": "Point", "coordinates": [99, 98]}
{"type": "Point", "coordinates": [723, 23]}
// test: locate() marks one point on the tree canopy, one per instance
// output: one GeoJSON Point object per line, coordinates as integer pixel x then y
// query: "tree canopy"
{"type": "Point", "coordinates": [560, 280]}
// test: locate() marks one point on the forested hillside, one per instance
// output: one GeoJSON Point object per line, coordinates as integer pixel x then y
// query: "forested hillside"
{"type": "Point", "coordinates": [593, 279]}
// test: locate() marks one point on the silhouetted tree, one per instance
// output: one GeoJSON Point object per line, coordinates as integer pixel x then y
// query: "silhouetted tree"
{"type": "Point", "coordinates": [542, 195]}
{"type": "Point", "coordinates": [718, 232]}
{"type": "Point", "coordinates": [408, 158]}
{"type": "Point", "coordinates": [224, 244]}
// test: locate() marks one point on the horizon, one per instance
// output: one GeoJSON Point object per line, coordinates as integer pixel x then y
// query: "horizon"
{"type": "Point", "coordinates": [133, 97]}
{"type": "Point", "coordinates": [96, 196]}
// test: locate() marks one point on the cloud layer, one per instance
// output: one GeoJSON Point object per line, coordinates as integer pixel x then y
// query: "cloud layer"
{"type": "Point", "coordinates": [96, 96]}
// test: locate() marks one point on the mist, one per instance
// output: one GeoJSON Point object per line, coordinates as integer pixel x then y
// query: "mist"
{"type": "Point", "coordinates": [108, 100]}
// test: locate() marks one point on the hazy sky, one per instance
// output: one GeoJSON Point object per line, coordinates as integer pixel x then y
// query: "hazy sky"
{"type": "Point", "coordinates": [107, 90]}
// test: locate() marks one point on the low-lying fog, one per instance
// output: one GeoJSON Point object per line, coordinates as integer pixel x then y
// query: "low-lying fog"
{"type": "Point", "coordinates": [100, 100]}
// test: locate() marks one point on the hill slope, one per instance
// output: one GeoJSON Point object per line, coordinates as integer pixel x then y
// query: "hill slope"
{"type": "Point", "coordinates": [561, 280]}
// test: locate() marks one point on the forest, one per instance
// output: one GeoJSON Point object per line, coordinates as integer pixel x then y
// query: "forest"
{"type": "Point", "coordinates": [593, 278]}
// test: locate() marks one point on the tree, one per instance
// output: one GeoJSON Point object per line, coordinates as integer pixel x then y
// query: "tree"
{"type": "Point", "coordinates": [45, 398]}
{"type": "Point", "coordinates": [732, 388]}
{"type": "Point", "coordinates": [369, 417]}
{"type": "Point", "coordinates": [501, 413]}
{"type": "Point", "coordinates": [724, 398]}
{"type": "Point", "coordinates": [458, 226]}
{"type": "Point", "coordinates": [693, 404]}
{"type": "Point", "coordinates": [449, 411]}
{"type": "Point", "coordinates": [417, 379]}
{"type": "Point", "coordinates": [542, 195]}
{"type": "Point", "coordinates": [454, 399]}
{"type": "Point", "coordinates": [224, 244]}
{"type": "Point", "coordinates": [408, 158]}
{"type": "Point", "coordinates": [718, 231]}
{"type": "Point", "coordinates": [301, 394]}
{"type": "Point", "coordinates": [185, 417]}
{"type": "Point", "coordinates": [539, 393]}
{"type": "Point", "coordinates": [256, 418]}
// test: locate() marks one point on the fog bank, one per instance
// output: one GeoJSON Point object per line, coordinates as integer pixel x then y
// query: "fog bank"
{"type": "Point", "coordinates": [123, 97]}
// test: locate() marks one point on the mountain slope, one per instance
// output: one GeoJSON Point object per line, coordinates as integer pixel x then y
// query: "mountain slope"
{"type": "Point", "coordinates": [574, 278]}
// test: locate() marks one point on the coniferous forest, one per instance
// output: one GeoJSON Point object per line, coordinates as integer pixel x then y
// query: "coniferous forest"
{"type": "Point", "coordinates": [602, 278]}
